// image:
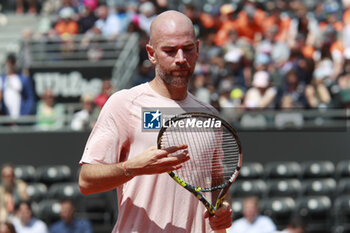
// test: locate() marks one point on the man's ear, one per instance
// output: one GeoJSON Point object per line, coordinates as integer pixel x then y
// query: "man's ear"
{"type": "Point", "coordinates": [150, 52]}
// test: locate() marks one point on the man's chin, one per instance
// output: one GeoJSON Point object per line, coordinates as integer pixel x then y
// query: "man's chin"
{"type": "Point", "coordinates": [179, 82]}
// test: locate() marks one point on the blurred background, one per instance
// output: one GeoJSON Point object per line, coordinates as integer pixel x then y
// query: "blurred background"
{"type": "Point", "coordinates": [278, 71]}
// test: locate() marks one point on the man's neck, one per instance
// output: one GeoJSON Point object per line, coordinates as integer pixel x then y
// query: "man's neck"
{"type": "Point", "coordinates": [168, 91]}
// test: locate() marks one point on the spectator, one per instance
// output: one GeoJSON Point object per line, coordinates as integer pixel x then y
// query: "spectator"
{"type": "Point", "coordinates": [17, 91]}
{"type": "Point", "coordinates": [147, 14]}
{"type": "Point", "coordinates": [278, 22]}
{"type": "Point", "coordinates": [69, 223]}
{"type": "Point", "coordinates": [293, 88]}
{"type": "Point", "coordinates": [85, 118]}
{"type": "Point", "coordinates": [50, 115]}
{"type": "Point", "coordinates": [343, 82]}
{"type": "Point", "coordinates": [107, 24]}
{"type": "Point", "coordinates": [106, 91]}
{"type": "Point", "coordinates": [87, 19]}
{"type": "Point", "coordinates": [91, 4]}
{"type": "Point", "coordinates": [20, 6]}
{"type": "Point", "coordinates": [316, 93]}
{"type": "Point", "coordinates": [191, 12]}
{"type": "Point", "coordinates": [252, 222]}
{"type": "Point", "coordinates": [66, 26]}
{"type": "Point", "coordinates": [249, 23]}
{"type": "Point", "coordinates": [12, 191]}
{"type": "Point", "coordinates": [227, 23]}
{"type": "Point", "coordinates": [24, 221]}
{"type": "Point", "coordinates": [124, 15]}
{"type": "Point", "coordinates": [7, 227]}
{"type": "Point", "coordinates": [261, 94]}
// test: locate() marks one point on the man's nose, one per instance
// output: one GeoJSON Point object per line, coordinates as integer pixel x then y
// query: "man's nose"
{"type": "Point", "coordinates": [180, 58]}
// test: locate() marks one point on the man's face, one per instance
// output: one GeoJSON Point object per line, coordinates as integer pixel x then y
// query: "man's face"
{"type": "Point", "coordinates": [8, 178]}
{"type": "Point", "coordinates": [24, 213]}
{"type": "Point", "coordinates": [175, 54]}
{"type": "Point", "coordinates": [67, 212]}
{"type": "Point", "coordinates": [250, 210]}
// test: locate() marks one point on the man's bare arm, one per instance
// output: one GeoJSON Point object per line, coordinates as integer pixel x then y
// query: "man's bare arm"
{"type": "Point", "coordinates": [95, 178]}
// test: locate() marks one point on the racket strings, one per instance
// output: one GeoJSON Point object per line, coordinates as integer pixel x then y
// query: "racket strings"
{"type": "Point", "coordinates": [214, 154]}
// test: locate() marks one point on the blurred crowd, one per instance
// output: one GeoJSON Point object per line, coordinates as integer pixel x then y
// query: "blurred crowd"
{"type": "Point", "coordinates": [253, 54]}
{"type": "Point", "coordinates": [16, 214]}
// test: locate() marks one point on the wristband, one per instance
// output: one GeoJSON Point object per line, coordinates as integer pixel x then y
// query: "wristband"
{"type": "Point", "coordinates": [126, 172]}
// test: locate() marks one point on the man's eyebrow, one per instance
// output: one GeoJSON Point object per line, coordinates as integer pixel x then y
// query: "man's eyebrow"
{"type": "Point", "coordinates": [171, 46]}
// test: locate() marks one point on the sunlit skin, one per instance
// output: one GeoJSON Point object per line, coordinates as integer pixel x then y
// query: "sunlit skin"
{"type": "Point", "coordinates": [173, 49]}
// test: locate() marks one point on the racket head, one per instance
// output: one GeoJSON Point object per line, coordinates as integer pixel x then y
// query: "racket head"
{"type": "Point", "coordinates": [215, 152]}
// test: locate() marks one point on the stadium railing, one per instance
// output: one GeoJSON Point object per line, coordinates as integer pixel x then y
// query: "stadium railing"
{"type": "Point", "coordinates": [313, 119]}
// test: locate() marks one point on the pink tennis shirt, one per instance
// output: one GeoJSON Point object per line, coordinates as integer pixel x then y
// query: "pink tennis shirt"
{"type": "Point", "coordinates": [149, 203]}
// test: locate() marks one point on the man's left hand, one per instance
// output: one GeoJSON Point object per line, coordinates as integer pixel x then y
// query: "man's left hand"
{"type": "Point", "coordinates": [222, 218]}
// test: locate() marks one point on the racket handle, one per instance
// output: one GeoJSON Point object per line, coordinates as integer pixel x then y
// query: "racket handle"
{"type": "Point", "coordinates": [220, 231]}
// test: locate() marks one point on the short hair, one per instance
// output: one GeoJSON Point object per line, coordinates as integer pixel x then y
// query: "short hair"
{"type": "Point", "coordinates": [7, 165]}
{"type": "Point", "coordinates": [251, 199]}
{"type": "Point", "coordinates": [27, 203]}
{"type": "Point", "coordinates": [11, 57]}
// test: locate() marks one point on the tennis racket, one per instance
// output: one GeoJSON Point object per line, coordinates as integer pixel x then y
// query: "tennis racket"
{"type": "Point", "coordinates": [215, 155]}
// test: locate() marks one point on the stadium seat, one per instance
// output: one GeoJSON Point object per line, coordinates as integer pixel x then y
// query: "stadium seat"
{"type": "Point", "coordinates": [282, 170]}
{"type": "Point", "coordinates": [251, 170]}
{"type": "Point", "coordinates": [100, 209]}
{"type": "Point", "coordinates": [36, 191]}
{"type": "Point", "coordinates": [315, 187]}
{"type": "Point", "coordinates": [64, 190]}
{"type": "Point", "coordinates": [342, 214]}
{"type": "Point", "coordinates": [343, 169]}
{"type": "Point", "coordinates": [343, 186]}
{"type": "Point", "coordinates": [54, 174]}
{"type": "Point", "coordinates": [237, 207]}
{"type": "Point", "coordinates": [283, 188]}
{"type": "Point", "coordinates": [317, 212]}
{"type": "Point", "coordinates": [280, 209]}
{"type": "Point", "coordinates": [47, 210]}
{"type": "Point", "coordinates": [317, 169]}
{"type": "Point", "coordinates": [246, 188]}
{"type": "Point", "coordinates": [26, 173]}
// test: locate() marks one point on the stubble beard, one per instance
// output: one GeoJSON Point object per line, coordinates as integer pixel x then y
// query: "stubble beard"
{"type": "Point", "coordinates": [175, 81]}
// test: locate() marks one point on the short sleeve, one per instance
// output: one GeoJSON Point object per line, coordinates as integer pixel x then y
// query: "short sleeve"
{"type": "Point", "coordinates": [110, 135]}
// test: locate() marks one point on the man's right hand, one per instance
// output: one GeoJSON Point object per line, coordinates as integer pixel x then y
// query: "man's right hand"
{"type": "Point", "coordinates": [155, 161]}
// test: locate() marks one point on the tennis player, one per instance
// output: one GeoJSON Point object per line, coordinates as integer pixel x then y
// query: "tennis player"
{"type": "Point", "coordinates": [118, 154]}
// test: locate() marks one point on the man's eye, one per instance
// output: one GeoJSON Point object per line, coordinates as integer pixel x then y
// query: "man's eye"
{"type": "Point", "coordinates": [169, 51]}
{"type": "Point", "coordinates": [188, 49]}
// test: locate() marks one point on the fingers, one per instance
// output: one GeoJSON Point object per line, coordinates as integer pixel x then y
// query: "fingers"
{"type": "Point", "coordinates": [222, 211]}
{"type": "Point", "coordinates": [173, 149]}
{"type": "Point", "coordinates": [222, 218]}
{"type": "Point", "coordinates": [174, 160]}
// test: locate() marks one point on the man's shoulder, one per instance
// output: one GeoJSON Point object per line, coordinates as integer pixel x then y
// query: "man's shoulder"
{"type": "Point", "coordinates": [131, 93]}
{"type": "Point", "coordinates": [57, 226]}
{"type": "Point", "coordinates": [82, 221]}
{"type": "Point", "coordinates": [238, 221]}
{"type": "Point", "coordinates": [38, 223]}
